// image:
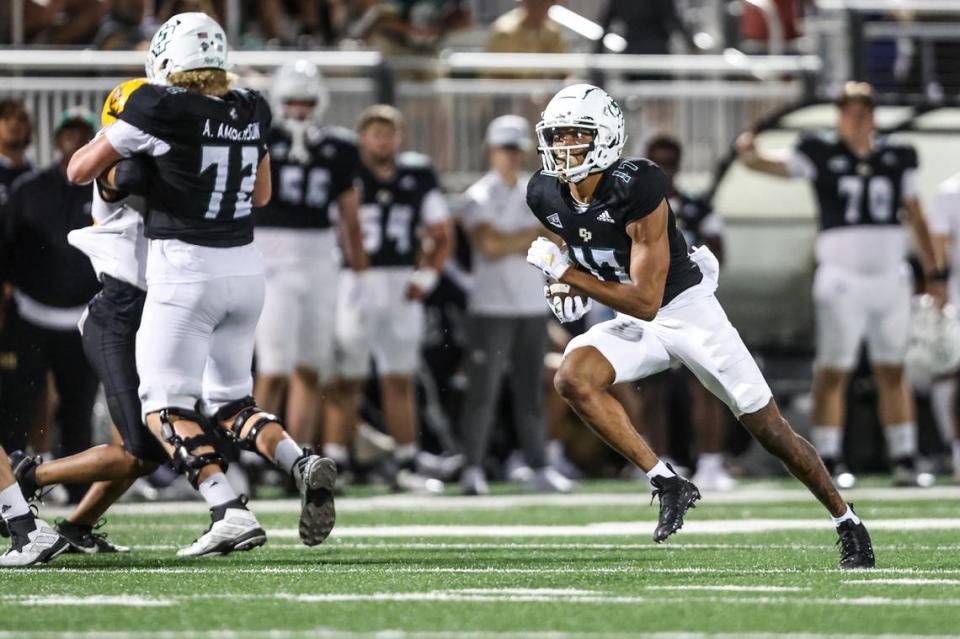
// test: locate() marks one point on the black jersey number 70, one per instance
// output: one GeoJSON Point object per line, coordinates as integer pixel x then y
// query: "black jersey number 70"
{"type": "Point", "coordinates": [232, 171]}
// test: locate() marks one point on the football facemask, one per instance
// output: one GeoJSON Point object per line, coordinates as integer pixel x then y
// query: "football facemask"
{"type": "Point", "coordinates": [580, 108]}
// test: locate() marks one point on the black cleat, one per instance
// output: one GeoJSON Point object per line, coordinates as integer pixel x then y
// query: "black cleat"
{"type": "Point", "coordinates": [83, 539]}
{"type": "Point", "coordinates": [316, 479]}
{"type": "Point", "coordinates": [24, 469]}
{"type": "Point", "coordinates": [856, 550]}
{"type": "Point", "coordinates": [677, 495]}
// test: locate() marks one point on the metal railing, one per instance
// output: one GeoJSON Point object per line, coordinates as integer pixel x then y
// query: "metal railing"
{"type": "Point", "coordinates": [703, 100]}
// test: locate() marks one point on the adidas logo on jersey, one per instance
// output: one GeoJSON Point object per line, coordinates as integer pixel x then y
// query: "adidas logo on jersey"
{"type": "Point", "coordinates": [605, 217]}
{"type": "Point", "coordinates": [554, 219]}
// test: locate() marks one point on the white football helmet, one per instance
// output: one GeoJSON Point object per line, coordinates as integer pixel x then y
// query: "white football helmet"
{"type": "Point", "coordinates": [300, 80]}
{"type": "Point", "coordinates": [186, 42]}
{"type": "Point", "coordinates": [581, 106]}
{"type": "Point", "coordinates": [934, 348]}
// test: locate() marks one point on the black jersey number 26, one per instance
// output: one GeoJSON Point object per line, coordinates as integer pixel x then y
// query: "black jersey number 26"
{"type": "Point", "coordinates": [234, 172]}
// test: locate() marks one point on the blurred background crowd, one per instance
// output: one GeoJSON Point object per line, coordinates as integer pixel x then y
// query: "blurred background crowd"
{"type": "Point", "coordinates": [709, 69]}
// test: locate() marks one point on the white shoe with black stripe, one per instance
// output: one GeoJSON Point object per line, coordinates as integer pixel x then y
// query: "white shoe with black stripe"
{"type": "Point", "coordinates": [233, 528]}
{"type": "Point", "coordinates": [33, 542]}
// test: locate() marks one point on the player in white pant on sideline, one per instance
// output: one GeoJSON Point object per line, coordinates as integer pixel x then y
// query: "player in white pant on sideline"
{"type": "Point", "coordinates": [863, 285]}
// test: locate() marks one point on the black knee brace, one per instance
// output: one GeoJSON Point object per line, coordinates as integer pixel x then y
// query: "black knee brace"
{"type": "Point", "coordinates": [244, 409]}
{"type": "Point", "coordinates": [183, 458]}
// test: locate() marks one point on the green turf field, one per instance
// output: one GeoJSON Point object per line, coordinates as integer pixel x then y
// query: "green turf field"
{"type": "Point", "coordinates": [753, 563]}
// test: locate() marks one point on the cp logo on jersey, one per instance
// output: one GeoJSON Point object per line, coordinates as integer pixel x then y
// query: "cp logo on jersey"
{"type": "Point", "coordinates": [585, 235]}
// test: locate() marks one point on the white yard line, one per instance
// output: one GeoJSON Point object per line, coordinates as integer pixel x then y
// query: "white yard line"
{"type": "Point", "coordinates": [902, 582]}
{"type": "Point", "coordinates": [324, 633]}
{"type": "Point", "coordinates": [644, 546]}
{"type": "Point", "coordinates": [380, 503]}
{"type": "Point", "coordinates": [489, 595]}
{"type": "Point", "coordinates": [641, 529]}
{"type": "Point", "coordinates": [730, 588]}
{"type": "Point", "coordinates": [210, 566]}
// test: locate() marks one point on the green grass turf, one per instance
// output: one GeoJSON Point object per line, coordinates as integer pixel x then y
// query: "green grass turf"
{"type": "Point", "coordinates": [577, 586]}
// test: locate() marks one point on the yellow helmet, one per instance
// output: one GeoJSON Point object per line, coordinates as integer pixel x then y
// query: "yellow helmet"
{"type": "Point", "coordinates": [117, 98]}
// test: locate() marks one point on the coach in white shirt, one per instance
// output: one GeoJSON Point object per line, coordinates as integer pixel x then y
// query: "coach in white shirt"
{"type": "Point", "coordinates": [944, 222]}
{"type": "Point", "coordinates": [508, 318]}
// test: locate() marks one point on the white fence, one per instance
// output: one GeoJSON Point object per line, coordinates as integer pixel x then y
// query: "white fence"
{"type": "Point", "coordinates": [703, 100]}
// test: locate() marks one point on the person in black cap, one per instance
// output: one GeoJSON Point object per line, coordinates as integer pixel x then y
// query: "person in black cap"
{"type": "Point", "coordinates": [52, 281]}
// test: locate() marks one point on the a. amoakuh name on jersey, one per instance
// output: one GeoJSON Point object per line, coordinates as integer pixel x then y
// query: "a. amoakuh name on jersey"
{"type": "Point", "coordinates": [304, 187]}
{"type": "Point", "coordinates": [391, 212]}
{"type": "Point", "coordinates": [596, 233]}
{"type": "Point", "coordinates": [859, 198]}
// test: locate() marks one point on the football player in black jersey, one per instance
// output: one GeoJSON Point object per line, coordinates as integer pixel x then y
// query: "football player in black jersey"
{"type": "Point", "coordinates": [205, 282]}
{"type": "Point", "coordinates": [863, 284]}
{"type": "Point", "coordinates": [314, 170]}
{"type": "Point", "coordinates": [407, 236]}
{"type": "Point", "coordinates": [700, 226]}
{"type": "Point", "coordinates": [623, 249]}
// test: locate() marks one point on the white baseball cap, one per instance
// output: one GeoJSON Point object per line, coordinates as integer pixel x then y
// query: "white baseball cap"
{"type": "Point", "coordinates": [509, 131]}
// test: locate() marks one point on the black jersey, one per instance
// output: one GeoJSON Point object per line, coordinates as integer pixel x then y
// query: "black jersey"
{"type": "Point", "coordinates": [853, 190]}
{"type": "Point", "coordinates": [596, 234]}
{"type": "Point", "coordinates": [202, 187]}
{"type": "Point", "coordinates": [42, 208]}
{"type": "Point", "coordinates": [7, 175]}
{"type": "Point", "coordinates": [303, 191]}
{"type": "Point", "coordinates": [392, 211]}
{"type": "Point", "coordinates": [692, 217]}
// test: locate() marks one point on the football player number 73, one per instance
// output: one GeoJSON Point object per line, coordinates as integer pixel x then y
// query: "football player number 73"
{"type": "Point", "coordinates": [218, 158]}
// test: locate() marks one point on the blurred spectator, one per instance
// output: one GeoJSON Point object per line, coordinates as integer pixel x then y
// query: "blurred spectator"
{"type": "Point", "coordinates": [646, 25]}
{"type": "Point", "coordinates": [168, 8]}
{"type": "Point", "coordinates": [526, 29]}
{"type": "Point", "coordinates": [507, 333]}
{"type": "Point", "coordinates": [52, 283]}
{"type": "Point", "coordinates": [415, 27]}
{"type": "Point", "coordinates": [15, 135]}
{"type": "Point", "coordinates": [122, 27]}
{"type": "Point", "coordinates": [755, 31]}
{"type": "Point", "coordinates": [58, 22]}
{"type": "Point", "coordinates": [945, 227]}
{"type": "Point", "coordinates": [287, 23]}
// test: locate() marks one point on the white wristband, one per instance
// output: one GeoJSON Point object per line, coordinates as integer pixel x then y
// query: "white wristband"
{"type": "Point", "coordinates": [425, 279]}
